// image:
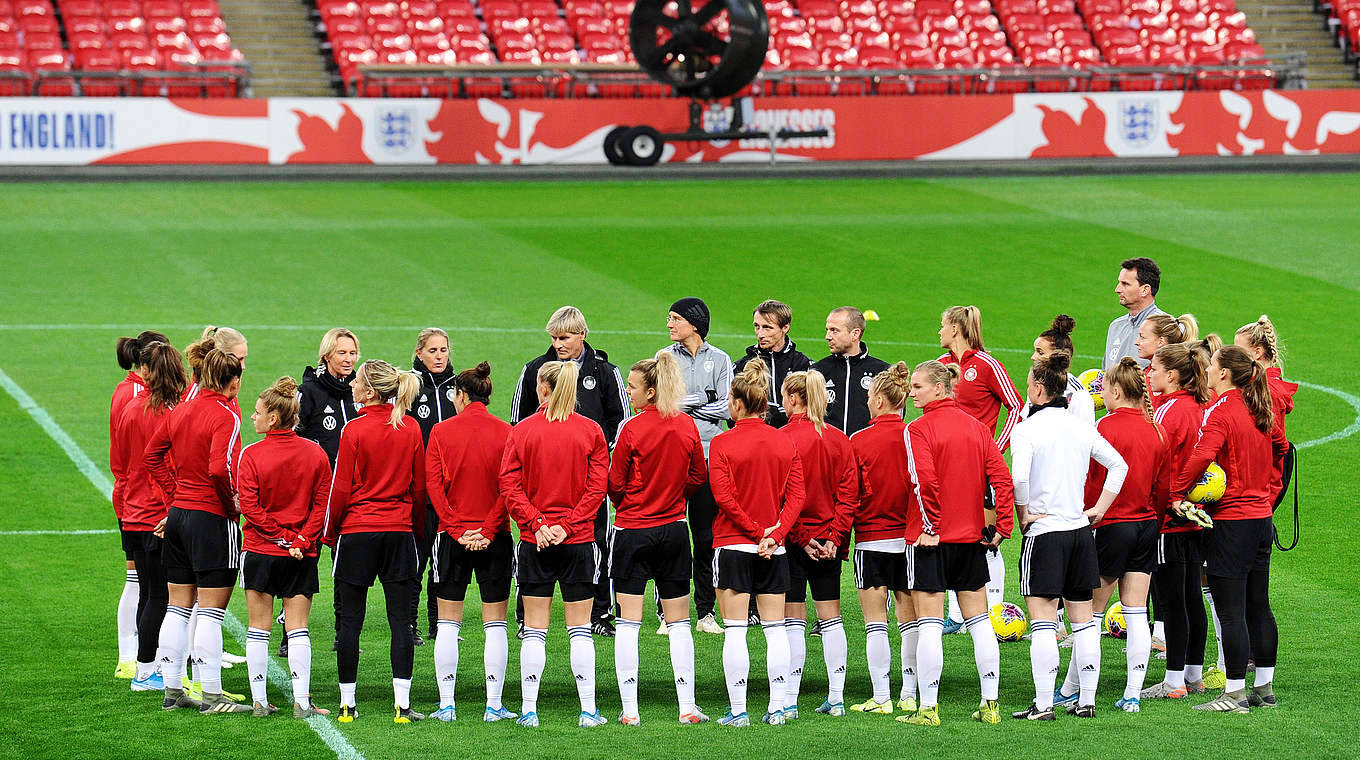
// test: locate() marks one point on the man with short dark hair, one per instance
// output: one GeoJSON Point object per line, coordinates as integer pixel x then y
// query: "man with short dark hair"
{"type": "Point", "coordinates": [1139, 280]}
{"type": "Point", "coordinates": [771, 321]}
{"type": "Point", "coordinates": [848, 370]}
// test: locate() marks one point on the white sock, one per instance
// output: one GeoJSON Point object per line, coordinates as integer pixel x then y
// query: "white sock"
{"type": "Point", "coordinates": [835, 652]}
{"type": "Point", "coordinates": [626, 634]}
{"type": "Point", "coordinates": [682, 663]}
{"type": "Point", "coordinates": [127, 619]}
{"type": "Point", "coordinates": [1072, 680]}
{"type": "Point", "coordinates": [1158, 629]}
{"type": "Point", "coordinates": [911, 636]}
{"type": "Point", "coordinates": [401, 692]}
{"type": "Point", "coordinates": [1194, 673]}
{"type": "Point", "coordinates": [446, 659]}
{"type": "Point", "coordinates": [257, 662]}
{"type": "Point", "coordinates": [208, 648]}
{"type": "Point", "coordinates": [347, 694]}
{"type": "Point", "coordinates": [1175, 678]}
{"type": "Point", "coordinates": [1264, 675]}
{"type": "Point", "coordinates": [494, 659]}
{"type": "Point", "coordinates": [1086, 653]}
{"type": "Point", "coordinates": [300, 665]}
{"type": "Point", "coordinates": [190, 667]}
{"type": "Point", "coordinates": [145, 669]}
{"type": "Point", "coordinates": [1043, 661]}
{"type": "Point", "coordinates": [996, 583]}
{"type": "Point", "coordinates": [880, 659]}
{"type": "Point", "coordinates": [1218, 625]}
{"type": "Point", "coordinates": [777, 662]}
{"type": "Point", "coordinates": [796, 628]}
{"type": "Point", "coordinates": [929, 658]}
{"type": "Point", "coordinates": [1235, 684]}
{"type": "Point", "coordinates": [736, 664]}
{"type": "Point", "coordinates": [955, 612]}
{"type": "Point", "coordinates": [583, 665]}
{"type": "Point", "coordinates": [986, 654]}
{"type": "Point", "coordinates": [533, 656]}
{"type": "Point", "coordinates": [173, 643]}
{"type": "Point", "coordinates": [1061, 629]}
{"type": "Point", "coordinates": [1138, 650]}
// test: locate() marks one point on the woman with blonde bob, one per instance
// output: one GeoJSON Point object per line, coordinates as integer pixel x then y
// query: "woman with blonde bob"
{"type": "Point", "coordinates": [436, 403]}
{"type": "Point", "coordinates": [284, 482]}
{"type": "Point", "coordinates": [658, 464]}
{"type": "Point", "coordinates": [375, 514]}
{"type": "Point", "coordinates": [1161, 330]}
{"type": "Point", "coordinates": [554, 476]}
{"type": "Point", "coordinates": [820, 537]}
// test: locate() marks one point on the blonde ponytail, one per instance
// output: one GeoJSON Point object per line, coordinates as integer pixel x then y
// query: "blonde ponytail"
{"type": "Point", "coordinates": [561, 377]}
{"type": "Point", "coordinates": [751, 387]}
{"type": "Point", "coordinates": [810, 386]}
{"type": "Point", "coordinates": [662, 375]}
{"type": "Point", "coordinates": [282, 399]}
{"type": "Point", "coordinates": [392, 386]}
{"type": "Point", "coordinates": [1261, 334]}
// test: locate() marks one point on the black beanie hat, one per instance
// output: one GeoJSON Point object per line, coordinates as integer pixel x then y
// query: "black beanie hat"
{"type": "Point", "coordinates": [695, 311]}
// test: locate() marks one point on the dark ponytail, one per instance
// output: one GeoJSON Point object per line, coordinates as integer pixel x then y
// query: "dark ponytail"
{"type": "Point", "coordinates": [163, 371]}
{"type": "Point", "coordinates": [476, 383]}
{"type": "Point", "coordinates": [1249, 376]}
{"type": "Point", "coordinates": [129, 350]}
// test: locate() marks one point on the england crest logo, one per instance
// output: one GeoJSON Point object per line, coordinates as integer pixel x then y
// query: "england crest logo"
{"type": "Point", "coordinates": [1138, 121]}
{"type": "Point", "coordinates": [396, 129]}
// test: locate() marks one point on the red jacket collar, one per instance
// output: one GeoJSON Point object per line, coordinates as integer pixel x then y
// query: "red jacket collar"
{"type": "Point", "coordinates": [887, 417]}
{"type": "Point", "coordinates": [959, 360]}
{"type": "Point", "coordinates": [799, 417]}
{"type": "Point", "coordinates": [376, 409]}
{"type": "Point", "coordinates": [1127, 410]}
{"type": "Point", "coordinates": [748, 422]}
{"type": "Point", "coordinates": [280, 434]}
{"type": "Point", "coordinates": [133, 377]}
{"type": "Point", "coordinates": [943, 403]}
{"type": "Point", "coordinates": [214, 395]}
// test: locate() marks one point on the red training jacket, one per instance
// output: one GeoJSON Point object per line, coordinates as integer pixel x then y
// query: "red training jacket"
{"type": "Point", "coordinates": [555, 473]}
{"type": "Point", "coordinates": [757, 481]}
{"type": "Point", "coordinates": [1282, 400]}
{"type": "Point", "coordinates": [952, 460]}
{"type": "Point", "coordinates": [658, 464]}
{"type": "Point", "coordinates": [124, 392]}
{"type": "Point", "coordinates": [1248, 457]}
{"type": "Point", "coordinates": [193, 454]}
{"type": "Point", "coordinates": [885, 499]}
{"type": "Point", "coordinates": [144, 503]}
{"type": "Point", "coordinates": [1143, 446]}
{"type": "Point", "coordinates": [831, 481]}
{"type": "Point", "coordinates": [462, 472]}
{"type": "Point", "coordinates": [379, 482]}
{"type": "Point", "coordinates": [1179, 416]}
{"type": "Point", "coordinates": [982, 389]}
{"type": "Point", "coordinates": [283, 485]}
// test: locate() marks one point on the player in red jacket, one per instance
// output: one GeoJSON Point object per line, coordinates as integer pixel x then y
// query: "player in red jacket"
{"type": "Point", "coordinates": [1160, 330]}
{"type": "Point", "coordinates": [161, 370]}
{"type": "Point", "coordinates": [129, 602]}
{"type": "Point", "coordinates": [1127, 535]}
{"type": "Point", "coordinates": [964, 494]}
{"type": "Point", "coordinates": [1177, 375]}
{"type": "Point", "coordinates": [885, 508]}
{"type": "Point", "coordinates": [375, 514]}
{"type": "Point", "coordinates": [193, 459]}
{"type": "Point", "coordinates": [757, 481]}
{"type": "Point", "coordinates": [819, 539]}
{"type": "Point", "coordinates": [553, 477]}
{"type": "Point", "coordinates": [1239, 432]}
{"type": "Point", "coordinates": [462, 470]}
{"type": "Point", "coordinates": [283, 484]}
{"type": "Point", "coordinates": [982, 390]}
{"type": "Point", "coordinates": [658, 464]}
{"type": "Point", "coordinates": [1262, 344]}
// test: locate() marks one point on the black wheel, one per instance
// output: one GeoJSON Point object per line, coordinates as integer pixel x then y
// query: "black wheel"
{"type": "Point", "coordinates": [642, 146]}
{"type": "Point", "coordinates": [703, 48]}
{"type": "Point", "coordinates": [612, 150]}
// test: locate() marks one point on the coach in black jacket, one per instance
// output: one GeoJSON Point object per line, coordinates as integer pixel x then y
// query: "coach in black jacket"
{"type": "Point", "coordinates": [600, 395]}
{"type": "Point", "coordinates": [849, 370]}
{"type": "Point", "coordinates": [773, 348]}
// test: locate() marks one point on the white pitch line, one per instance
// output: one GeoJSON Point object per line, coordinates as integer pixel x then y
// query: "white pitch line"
{"type": "Point", "coordinates": [328, 733]}
{"type": "Point", "coordinates": [1345, 432]}
{"type": "Point", "coordinates": [96, 532]}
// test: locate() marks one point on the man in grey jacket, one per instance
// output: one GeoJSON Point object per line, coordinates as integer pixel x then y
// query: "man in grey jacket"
{"type": "Point", "coordinates": [1139, 280]}
{"type": "Point", "coordinates": [708, 379]}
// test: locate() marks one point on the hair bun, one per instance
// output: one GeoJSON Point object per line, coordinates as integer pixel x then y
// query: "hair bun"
{"type": "Point", "coordinates": [483, 369]}
{"type": "Point", "coordinates": [1063, 324]}
{"type": "Point", "coordinates": [285, 386]}
{"type": "Point", "coordinates": [1128, 361]}
{"type": "Point", "coordinates": [1059, 361]}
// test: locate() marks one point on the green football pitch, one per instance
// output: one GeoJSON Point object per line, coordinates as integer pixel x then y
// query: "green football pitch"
{"type": "Point", "coordinates": [84, 264]}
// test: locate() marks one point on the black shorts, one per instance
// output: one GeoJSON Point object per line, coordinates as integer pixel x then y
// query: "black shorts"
{"type": "Point", "coordinates": [282, 577]}
{"type": "Point", "coordinates": [201, 549]}
{"type": "Point", "coordinates": [1181, 549]}
{"type": "Point", "coordinates": [1234, 548]}
{"type": "Point", "coordinates": [660, 553]}
{"type": "Point", "coordinates": [1061, 564]}
{"type": "Point", "coordinates": [749, 573]}
{"type": "Point", "coordinates": [881, 569]}
{"type": "Point", "coordinates": [947, 567]}
{"type": "Point", "coordinates": [454, 565]}
{"type": "Point", "coordinates": [360, 558]}
{"type": "Point", "coordinates": [822, 575]}
{"type": "Point", "coordinates": [575, 567]}
{"type": "Point", "coordinates": [1127, 547]}
{"type": "Point", "coordinates": [140, 541]}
